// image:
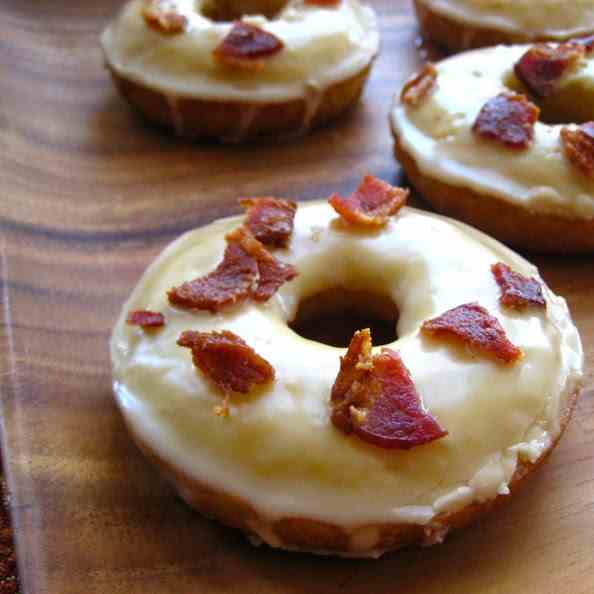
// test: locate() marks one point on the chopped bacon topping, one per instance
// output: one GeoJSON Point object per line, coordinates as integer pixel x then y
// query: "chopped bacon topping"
{"type": "Point", "coordinates": [229, 283]}
{"type": "Point", "coordinates": [372, 203]}
{"type": "Point", "coordinates": [542, 66]}
{"type": "Point", "coordinates": [418, 87]}
{"type": "Point", "coordinates": [162, 15]}
{"type": "Point", "coordinates": [586, 42]}
{"type": "Point", "coordinates": [517, 291]}
{"type": "Point", "coordinates": [578, 145]}
{"type": "Point", "coordinates": [227, 360]}
{"type": "Point", "coordinates": [270, 219]}
{"type": "Point", "coordinates": [245, 46]}
{"type": "Point", "coordinates": [271, 272]}
{"type": "Point", "coordinates": [247, 270]}
{"type": "Point", "coordinates": [375, 398]}
{"type": "Point", "coordinates": [507, 118]}
{"type": "Point", "coordinates": [472, 325]}
{"type": "Point", "coordinates": [145, 318]}
{"type": "Point", "coordinates": [322, 2]}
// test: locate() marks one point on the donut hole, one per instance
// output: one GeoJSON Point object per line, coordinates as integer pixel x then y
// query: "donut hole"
{"type": "Point", "coordinates": [332, 316]}
{"type": "Point", "coordinates": [225, 11]}
{"type": "Point", "coordinates": [570, 105]}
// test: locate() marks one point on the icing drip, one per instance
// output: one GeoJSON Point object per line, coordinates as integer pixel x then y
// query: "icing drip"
{"type": "Point", "coordinates": [176, 114]}
{"type": "Point", "coordinates": [313, 99]}
{"type": "Point", "coordinates": [248, 114]}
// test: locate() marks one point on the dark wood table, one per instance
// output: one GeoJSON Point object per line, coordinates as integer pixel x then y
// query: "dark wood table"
{"type": "Point", "coordinates": [90, 195]}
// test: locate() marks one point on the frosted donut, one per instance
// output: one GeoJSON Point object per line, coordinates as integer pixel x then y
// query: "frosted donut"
{"type": "Point", "coordinates": [465, 24]}
{"type": "Point", "coordinates": [536, 193]}
{"type": "Point", "coordinates": [299, 67]}
{"type": "Point", "coordinates": [277, 466]}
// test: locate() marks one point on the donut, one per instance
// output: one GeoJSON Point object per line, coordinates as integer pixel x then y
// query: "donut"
{"type": "Point", "coordinates": [480, 137]}
{"type": "Point", "coordinates": [214, 69]}
{"type": "Point", "coordinates": [360, 448]}
{"type": "Point", "coordinates": [466, 24]}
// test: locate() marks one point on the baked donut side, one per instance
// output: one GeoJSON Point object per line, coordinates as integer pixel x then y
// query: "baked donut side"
{"type": "Point", "coordinates": [236, 121]}
{"type": "Point", "coordinates": [324, 538]}
{"type": "Point", "coordinates": [524, 229]}
{"type": "Point", "coordinates": [455, 33]}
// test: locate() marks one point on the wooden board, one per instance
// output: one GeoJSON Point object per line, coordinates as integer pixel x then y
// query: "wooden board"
{"type": "Point", "coordinates": [89, 196]}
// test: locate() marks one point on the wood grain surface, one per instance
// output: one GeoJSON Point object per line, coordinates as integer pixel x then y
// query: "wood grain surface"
{"type": "Point", "coordinates": [89, 195]}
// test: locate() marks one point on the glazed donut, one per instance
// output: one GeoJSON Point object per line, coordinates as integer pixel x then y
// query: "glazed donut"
{"type": "Point", "coordinates": [296, 458]}
{"type": "Point", "coordinates": [296, 66]}
{"type": "Point", "coordinates": [466, 24]}
{"type": "Point", "coordinates": [454, 126]}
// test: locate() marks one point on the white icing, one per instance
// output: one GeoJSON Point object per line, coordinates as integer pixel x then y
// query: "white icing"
{"type": "Point", "coordinates": [278, 449]}
{"type": "Point", "coordinates": [438, 136]}
{"type": "Point", "coordinates": [323, 46]}
{"type": "Point", "coordinates": [554, 19]}
{"type": "Point", "coordinates": [454, 500]}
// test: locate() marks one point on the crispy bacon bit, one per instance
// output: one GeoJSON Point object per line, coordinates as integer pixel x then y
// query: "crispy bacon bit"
{"type": "Point", "coordinates": [472, 325]}
{"type": "Point", "coordinates": [246, 46]}
{"type": "Point", "coordinates": [586, 42]}
{"type": "Point", "coordinates": [542, 66]}
{"type": "Point", "coordinates": [372, 203]}
{"type": "Point", "coordinates": [229, 283]}
{"type": "Point", "coordinates": [418, 87]}
{"type": "Point", "coordinates": [578, 145]}
{"type": "Point", "coordinates": [271, 272]}
{"type": "Point", "coordinates": [145, 318]}
{"type": "Point", "coordinates": [247, 270]}
{"type": "Point", "coordinates": [349, 384]}
{"type": "Point", "coordinates": [375, 398]}
{"type": "Point", "coordinates": [162, 15]}
{"type": "Point", "coordinates": [507, 118]}
{"type": "Point", "coordinates": [517, 291]}
{"type": "Point", "coordinates": [227, 360]}
{"type": "Point", "coordinates": [269, 219]}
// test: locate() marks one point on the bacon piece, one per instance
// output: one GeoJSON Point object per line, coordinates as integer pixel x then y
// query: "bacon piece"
{"type": "Point", "coordinates": [271, 272]}
{"type": "Point", "coordinates": [372, 203]}
{"type": "Point", "coordinates": [269, 219]}
{"type": "Point", "coordinates": [227, 360]}
{"type": "Point", "coordinates": [543, 65]}
{"type": "Point", "coordinates": [517, 291]}
{"type": "Point", "coordinates": [586, 42]}
{"type": "Point", "coordinates": [578, 145]}
{"type": "Point", "coordinates": [349, 385]}
{"type": "Point", "coordinates": [247, 270]}
{"type": "Point", "coordinates": [246, 46]}
{"type": "Point", "coordinates": [418, 87]}
{"type": "Point", "coordinates": [472, 325]}
{"type": "Point", "coordinates": [507, 118]}
{"type": "Point", "coordinates": [322, 2]}
{"type": "Point", "coordinates": [375, 398]}
{"type": "Point", "coordinates": [145, 318]}
{"type": "Point", "coordinates": [162, 16]}
{"type": "Point", "coordinates": [228, 284]}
